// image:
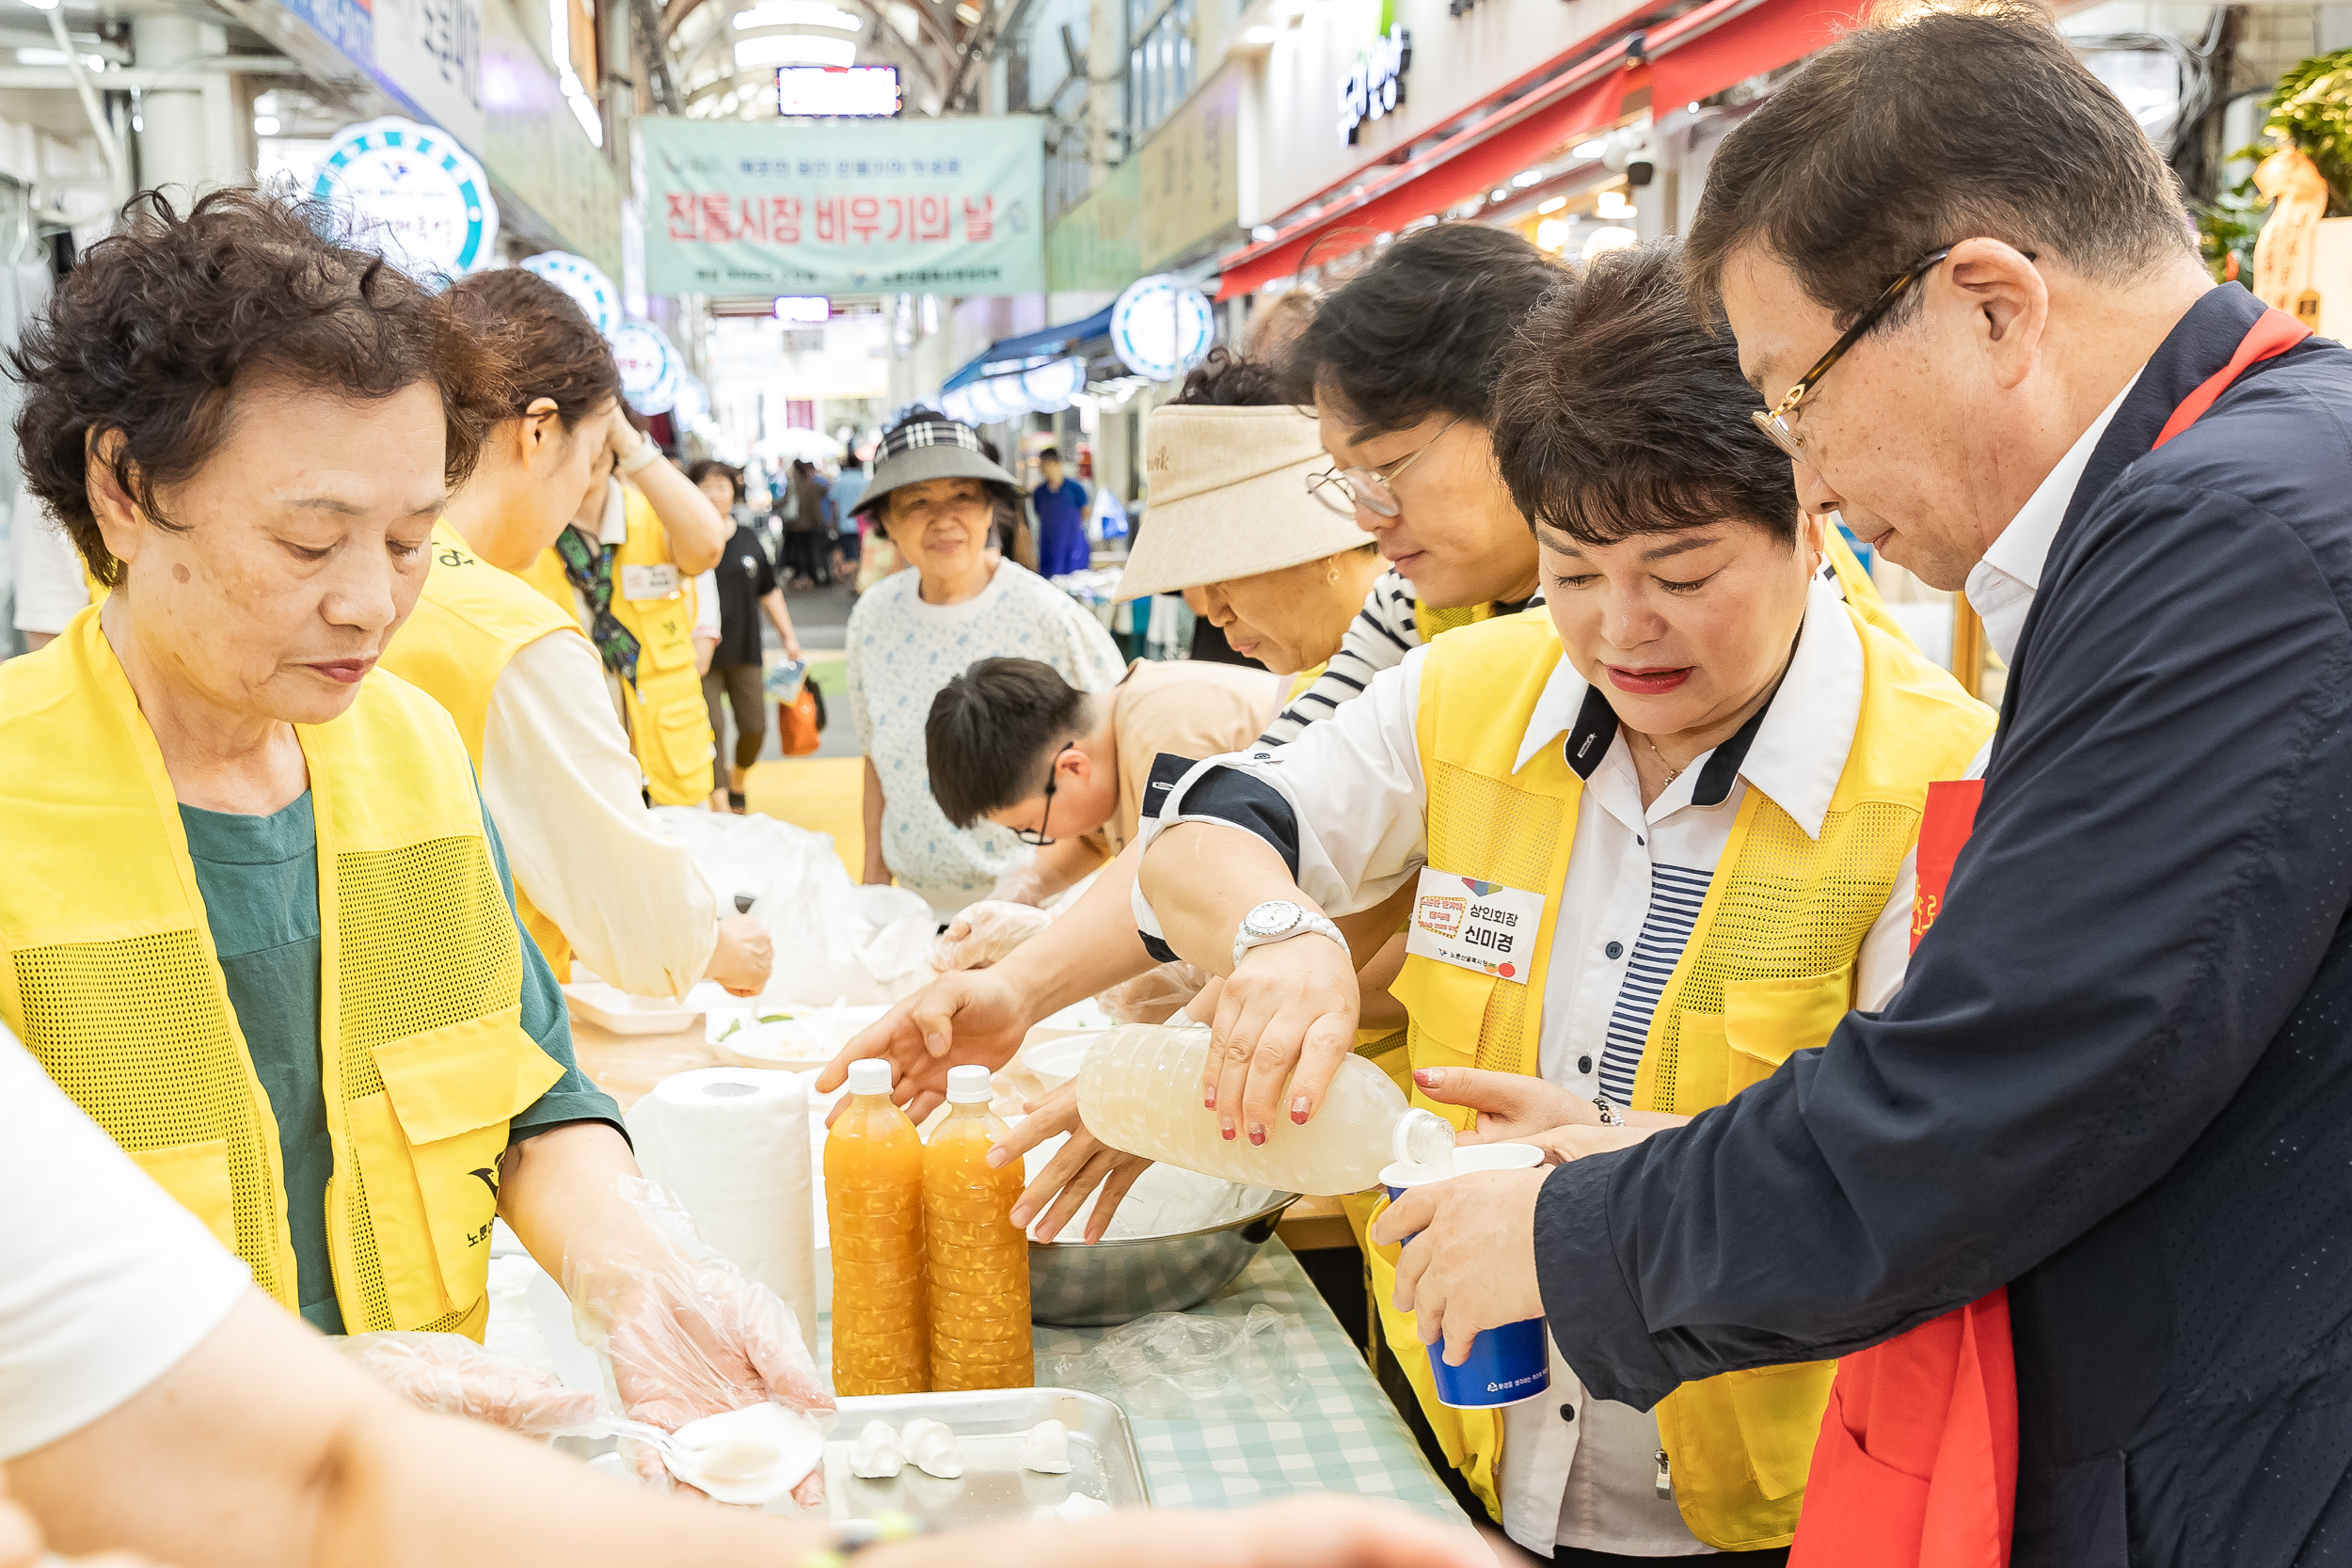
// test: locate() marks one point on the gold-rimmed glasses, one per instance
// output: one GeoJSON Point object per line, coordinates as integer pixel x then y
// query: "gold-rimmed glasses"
{"type": "Point", "coordinates": [1774, 422]}
{"type": "Point", "coordinates": [1345, 489]}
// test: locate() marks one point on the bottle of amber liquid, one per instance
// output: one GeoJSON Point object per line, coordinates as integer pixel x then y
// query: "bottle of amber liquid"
{"type": "Point", "coordinates": [980, 1259]}
{"type": "Point", "coordinates": [874, 1215]}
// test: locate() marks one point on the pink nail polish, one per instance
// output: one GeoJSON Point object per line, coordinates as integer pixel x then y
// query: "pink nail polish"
{"type": "Point", "coordinates": [1424, 1078]}
{"type": "Point", "coordinates": [1226, 1129]}
{"type": "Point", "coordinates": [1257, 1135]}
{"type": "Point", "coordinates": [1211, 1101]}
{"type": "Point", "coordinates": [1298, 1109]}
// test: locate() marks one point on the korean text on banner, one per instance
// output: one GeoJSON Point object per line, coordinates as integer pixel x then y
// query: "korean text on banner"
{"type": "Point", "coordinates": [945, 206]}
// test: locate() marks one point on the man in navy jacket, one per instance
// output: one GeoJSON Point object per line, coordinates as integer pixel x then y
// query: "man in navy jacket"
{"type": "Point", "coordinates": [2118, 1079]}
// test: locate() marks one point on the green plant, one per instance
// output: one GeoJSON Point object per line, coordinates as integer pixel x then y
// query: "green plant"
{"type": "Point", "coordinates": [2227, 226]}
{"type": "Point", "coordinates": [2312, 110]}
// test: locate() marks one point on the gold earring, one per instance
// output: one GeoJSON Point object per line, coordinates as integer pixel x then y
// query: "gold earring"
{"type": "Point", "coordinates": [1332, 576]}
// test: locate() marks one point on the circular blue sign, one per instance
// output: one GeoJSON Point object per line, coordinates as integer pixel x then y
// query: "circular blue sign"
{"type": "Point", "coordinates": [1162, 326]}
{"type": "Point", "coordinates": [412, 194]}
{"type": "Point", "coordinates": [585, 281]}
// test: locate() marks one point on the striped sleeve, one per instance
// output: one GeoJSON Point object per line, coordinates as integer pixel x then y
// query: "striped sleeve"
{"type": "Point", "coordinates": [1383, 634]}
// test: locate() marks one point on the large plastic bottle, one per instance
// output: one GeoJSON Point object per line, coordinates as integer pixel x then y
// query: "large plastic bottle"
{"type": "Point", "coordinates": [882, 1340]}
{"type": "Point", "coordinates": [1139, 1090]}
{"type": "Point", "coordinates": [980, 1259]}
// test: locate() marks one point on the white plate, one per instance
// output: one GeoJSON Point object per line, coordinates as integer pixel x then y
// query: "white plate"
{"type": "Point", "coordinates": [804, 1037]}
{"type": "Point", "coordinates": [612, 1008]}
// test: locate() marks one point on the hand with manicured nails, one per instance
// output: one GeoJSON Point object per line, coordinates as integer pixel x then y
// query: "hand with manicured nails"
{"type": "Point", "coordinates": [1285, 1021]}
{"type": "Point", "coordinates": [1513, 1107]}
{"type": "Point", "coordinates": [1469, 1263]}
{"type": "Point", "coordinates": [1079, 1167]}
{"type": "Point", "coordinates": [973, 1015]}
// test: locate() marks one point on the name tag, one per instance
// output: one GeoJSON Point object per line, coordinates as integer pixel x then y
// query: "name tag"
{"type": "Point", "coordinates": [650, 582]}
{"type": "Point", "coordinates": [1478, 926]}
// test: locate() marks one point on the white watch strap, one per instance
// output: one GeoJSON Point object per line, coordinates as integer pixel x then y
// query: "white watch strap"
{"type": "Point", "coordinates": [1244, 941]}
{"type": "Point", "coordinates": [643, 458]}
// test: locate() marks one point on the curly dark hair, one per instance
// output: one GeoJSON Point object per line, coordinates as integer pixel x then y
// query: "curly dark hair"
{"type": "Point", "coordinates": [1226, 380]}
{"type": "Point", "coordinates": [552, 349]}
{"type": "Point", "coordinates": [1618, 412]}
{"type": "Point", "coordinates": [1417, 332]}
{"type": "Point", "coordinates": [152, 337]}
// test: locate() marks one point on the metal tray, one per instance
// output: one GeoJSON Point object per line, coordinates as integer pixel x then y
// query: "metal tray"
{"type": "Point", "coordinates": [988, 1425]}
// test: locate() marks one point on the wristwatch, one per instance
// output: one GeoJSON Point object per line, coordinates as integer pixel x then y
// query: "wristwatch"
{"type": "Point", "coordinates": [642, 458]}
{"type": "Point", "coordinates": [1276, 920]}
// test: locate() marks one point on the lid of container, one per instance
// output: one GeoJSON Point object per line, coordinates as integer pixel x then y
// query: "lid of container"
{"type": "Point", "coordinates": [967, 1086]}
{"type": "Point", "coordinates": [869, 1076]}
{"type": "Point", "coordinates": [1422, 1138]}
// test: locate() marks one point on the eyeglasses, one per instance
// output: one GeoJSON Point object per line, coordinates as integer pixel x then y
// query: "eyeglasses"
{"type": "Point", "coordinates": [1343, 490]}
{"type": "Point", "coordinates": [1035, 837]}
{"type": "Point", "coordinates": [1774, 421]}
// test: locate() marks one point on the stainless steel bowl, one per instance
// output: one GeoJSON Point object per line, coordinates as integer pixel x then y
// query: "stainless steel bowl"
{"type": "Point", "coordinates": [1073, 1285]}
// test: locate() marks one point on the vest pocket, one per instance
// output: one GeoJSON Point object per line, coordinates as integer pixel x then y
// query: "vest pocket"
{"type": "Point", "coordinates": [196, 1175]}
{"type": "Point", "coordinates": [1765, 1022]}
{"type": "Point", "coordinates": [429, 1150]}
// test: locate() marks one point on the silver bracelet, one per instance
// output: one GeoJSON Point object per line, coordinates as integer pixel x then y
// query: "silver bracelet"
{"type": "Point", "coordinates": [1610, 1115]}
{"type": "Point", "coordinates": [644, 457]}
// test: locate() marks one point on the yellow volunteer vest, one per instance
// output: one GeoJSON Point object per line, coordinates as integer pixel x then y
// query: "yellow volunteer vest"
{"type": "Point", "coordinates": [1769, 970]}
{"type": "Point", "coordinates": [469, 621]}
{"type": "Point", "coordinates": [669, 724]}
{"type": "Point", "coordinates": [111, 981]}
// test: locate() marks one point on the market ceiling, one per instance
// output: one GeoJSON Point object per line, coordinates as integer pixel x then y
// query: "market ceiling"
{"type": "Point", "coordinates": [936, 44]}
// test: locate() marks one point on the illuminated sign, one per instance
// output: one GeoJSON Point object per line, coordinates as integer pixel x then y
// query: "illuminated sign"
{"type": "Point", "coordinates": [411, 194]}
{"type": "Point", "coordinates": [813, 92]}
{"type": "Point", "coordinates": [649, 368]}
{"type": "Point", "coordinates": [1162, 326]}
{"type": "Point", "coordinates": [1374, 86]}
{"type": "Point", "coordinates": [585, 281]}
{"type": "Point", "coordinates": [807, 309]}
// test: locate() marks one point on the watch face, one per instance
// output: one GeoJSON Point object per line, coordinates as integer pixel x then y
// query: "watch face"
{"type": "Point", "coordinates": [1272, 917]}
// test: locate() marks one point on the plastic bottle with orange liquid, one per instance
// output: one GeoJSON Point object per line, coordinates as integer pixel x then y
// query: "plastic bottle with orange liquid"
{"type": "Point", "coordinates": [980, 1259]}
{"type": "Point", "coordinates": [874, 1215]}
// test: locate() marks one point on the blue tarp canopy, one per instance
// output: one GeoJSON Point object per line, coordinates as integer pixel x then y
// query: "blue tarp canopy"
{"type": "Point", "coordinates": [1009, 354]}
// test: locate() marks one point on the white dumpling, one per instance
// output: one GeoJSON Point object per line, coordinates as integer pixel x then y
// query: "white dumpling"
{"type": "Point", "coordinates": [1046, 1449]}
{"type": "Point", "coordinates": [751, 1456]}
{"type": "Point", "coordinates": [877, 1454]}
{"type": "Point", "coordinates": [932, 1446]}
{"type": "Point", "coordinates": [1077, 1505]}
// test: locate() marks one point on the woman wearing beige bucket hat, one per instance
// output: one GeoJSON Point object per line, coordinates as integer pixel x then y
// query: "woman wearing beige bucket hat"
{"type": "Point", "coordinates": [1231, 516]}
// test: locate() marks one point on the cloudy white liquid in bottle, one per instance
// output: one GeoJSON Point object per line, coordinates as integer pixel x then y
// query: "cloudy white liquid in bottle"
{"type": "Point", "coordinates": [1139, 1091]}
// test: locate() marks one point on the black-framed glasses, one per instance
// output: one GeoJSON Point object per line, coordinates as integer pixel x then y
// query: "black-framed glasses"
{"type": "Point", "coordinates": [1774, 422]}
{"type": "Point", "coordinates": [1035, 837]}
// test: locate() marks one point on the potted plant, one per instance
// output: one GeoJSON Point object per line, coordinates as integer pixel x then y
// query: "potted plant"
{"type": "Point", "coordinates": [2302, 261]}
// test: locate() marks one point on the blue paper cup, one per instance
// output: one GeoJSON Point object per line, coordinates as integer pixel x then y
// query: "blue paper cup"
{"type": "Point", "coordinates": [1505, 1365]}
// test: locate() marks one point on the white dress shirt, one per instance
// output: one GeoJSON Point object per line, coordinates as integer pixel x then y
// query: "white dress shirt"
{"type": "Point", "coordinates": [2001, 586]}
{"type": "Point", "coordinates": [568, 799]}
{"type": "Point", "coordinates": [1355, 782]}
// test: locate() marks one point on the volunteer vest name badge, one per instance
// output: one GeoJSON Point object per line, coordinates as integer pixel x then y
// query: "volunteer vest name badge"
{"type": "Point", "coordinates": [1476, 926]}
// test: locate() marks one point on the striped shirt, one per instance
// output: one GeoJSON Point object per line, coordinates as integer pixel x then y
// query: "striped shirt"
{"type": "Point", "coordinates": [1675, 893]}
{"type": "Point", "coordinates": [1385, 630]}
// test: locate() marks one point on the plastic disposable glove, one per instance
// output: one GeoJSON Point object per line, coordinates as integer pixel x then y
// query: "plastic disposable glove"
{"type": "Point", "coordinates": [984, 932]}
{"type": "Point", "coordinates": [449, 1376]}
{"type": "Point", "coordinates": [1024, 884]}
{"type": "Point", "coordinates": [684, 1335]}
{"type": "Point", "coordinates": [1154, 995]}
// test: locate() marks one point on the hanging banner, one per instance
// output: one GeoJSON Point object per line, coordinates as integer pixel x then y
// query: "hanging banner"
{"type": "Point", "coordinates": [413, 194]}
{"type": "Point", "coordinates": [920, 206]}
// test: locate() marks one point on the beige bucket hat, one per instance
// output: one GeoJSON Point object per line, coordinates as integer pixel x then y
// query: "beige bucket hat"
{"type": "Point", "coordinates": [1229, 498]}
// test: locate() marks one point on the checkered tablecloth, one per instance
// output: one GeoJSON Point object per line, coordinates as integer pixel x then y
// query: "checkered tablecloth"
{"type": "Point", "coordinates": [1340, 1433]}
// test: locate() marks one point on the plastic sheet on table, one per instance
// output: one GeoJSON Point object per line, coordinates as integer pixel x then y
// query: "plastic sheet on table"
{"type": "Point", "coordinates": [1187, 1364]}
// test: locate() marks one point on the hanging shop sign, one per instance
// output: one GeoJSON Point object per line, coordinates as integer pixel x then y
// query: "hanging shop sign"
{"type": "Point", "coordinates": [585, 282]}
{"type": "Point", "coordinates": [1044, 389]}
{"type": "Point", "coordinates": [1373, 87]}
{"type": "Point", "coordinates": [920, 206]}
{"type": "Point", "coordinates": [412, 194]}
{"type": "Point", "coordinates": [649, 368]}
{"type": "Point", "coordinates": [837, 92]}
{"type": "Point", "coordinates": [1162, 326]}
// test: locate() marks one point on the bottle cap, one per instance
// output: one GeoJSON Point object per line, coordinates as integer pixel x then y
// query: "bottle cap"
{"type": "Point", "coordinates": [967, 1086]}
{"type": "Point", "coordinates": [1421, 1138]}
{"type": "Point", "coordinates": [869, 1076]}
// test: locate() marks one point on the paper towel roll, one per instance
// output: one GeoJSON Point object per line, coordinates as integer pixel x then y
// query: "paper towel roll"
{"type": "Point", "coordinates": [731, 1145]}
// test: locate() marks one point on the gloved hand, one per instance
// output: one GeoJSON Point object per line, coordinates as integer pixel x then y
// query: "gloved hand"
{"type": "Point", "coordinates": [684, 1335]}
{"type": "Point", "coordinates": [743, 958]}
{"type": "Point", "coordinates": [1023, 884]}
{"type": "Point", "coordinates": [983, 933]}
{"type": "Point", "coordinates": [1154, 995]}
{"type": "Point", "coordinates": [449, 1376]}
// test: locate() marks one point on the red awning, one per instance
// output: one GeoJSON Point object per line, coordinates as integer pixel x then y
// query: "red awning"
{"type": "Point", "coordinates": [1698, 54]}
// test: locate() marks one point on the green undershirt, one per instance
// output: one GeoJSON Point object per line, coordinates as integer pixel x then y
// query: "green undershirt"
{"type": "Point", "coordinates": [259, 877]}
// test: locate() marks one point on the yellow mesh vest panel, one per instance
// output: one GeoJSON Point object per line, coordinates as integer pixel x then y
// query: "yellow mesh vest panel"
{"type": "Point", "coordinates": [112, 980]}
{"type": "Point", "coordinates": [1773, 948]}
{"type": "Point", "coordinates": [669, 723]}
{"type": "Point", "coordinates": [468, 624]}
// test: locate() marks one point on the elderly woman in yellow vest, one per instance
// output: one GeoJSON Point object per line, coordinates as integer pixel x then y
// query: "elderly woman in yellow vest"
{"type": "Point", "coordinates": [625, 567]}
{"type": "Point", "coordinates": [256, 922]}
{"type": "Point", "coordinates": [1681, 802]}
{"type": "Point", "coordinates": [595, 876]}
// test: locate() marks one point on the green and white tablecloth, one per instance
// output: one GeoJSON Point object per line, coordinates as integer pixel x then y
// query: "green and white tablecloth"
{"type": "Point", "coordinates": [1339, 1434]}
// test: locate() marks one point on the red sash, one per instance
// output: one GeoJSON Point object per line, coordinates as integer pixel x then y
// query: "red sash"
{"type": "Point", "coordinates": [1916, 1464]}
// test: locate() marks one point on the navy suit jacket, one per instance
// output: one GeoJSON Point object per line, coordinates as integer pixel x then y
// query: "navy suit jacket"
{"type": "Point", "coordinates": [2118, 1076]}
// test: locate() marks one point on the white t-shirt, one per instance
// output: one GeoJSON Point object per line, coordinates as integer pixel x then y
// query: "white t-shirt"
{"type": "Point", "coordinates": [105, 1282]}
{"type": "Point", "coordinates": [901, 653]}
{"type": "Point", "coordinates": [50, 590]}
